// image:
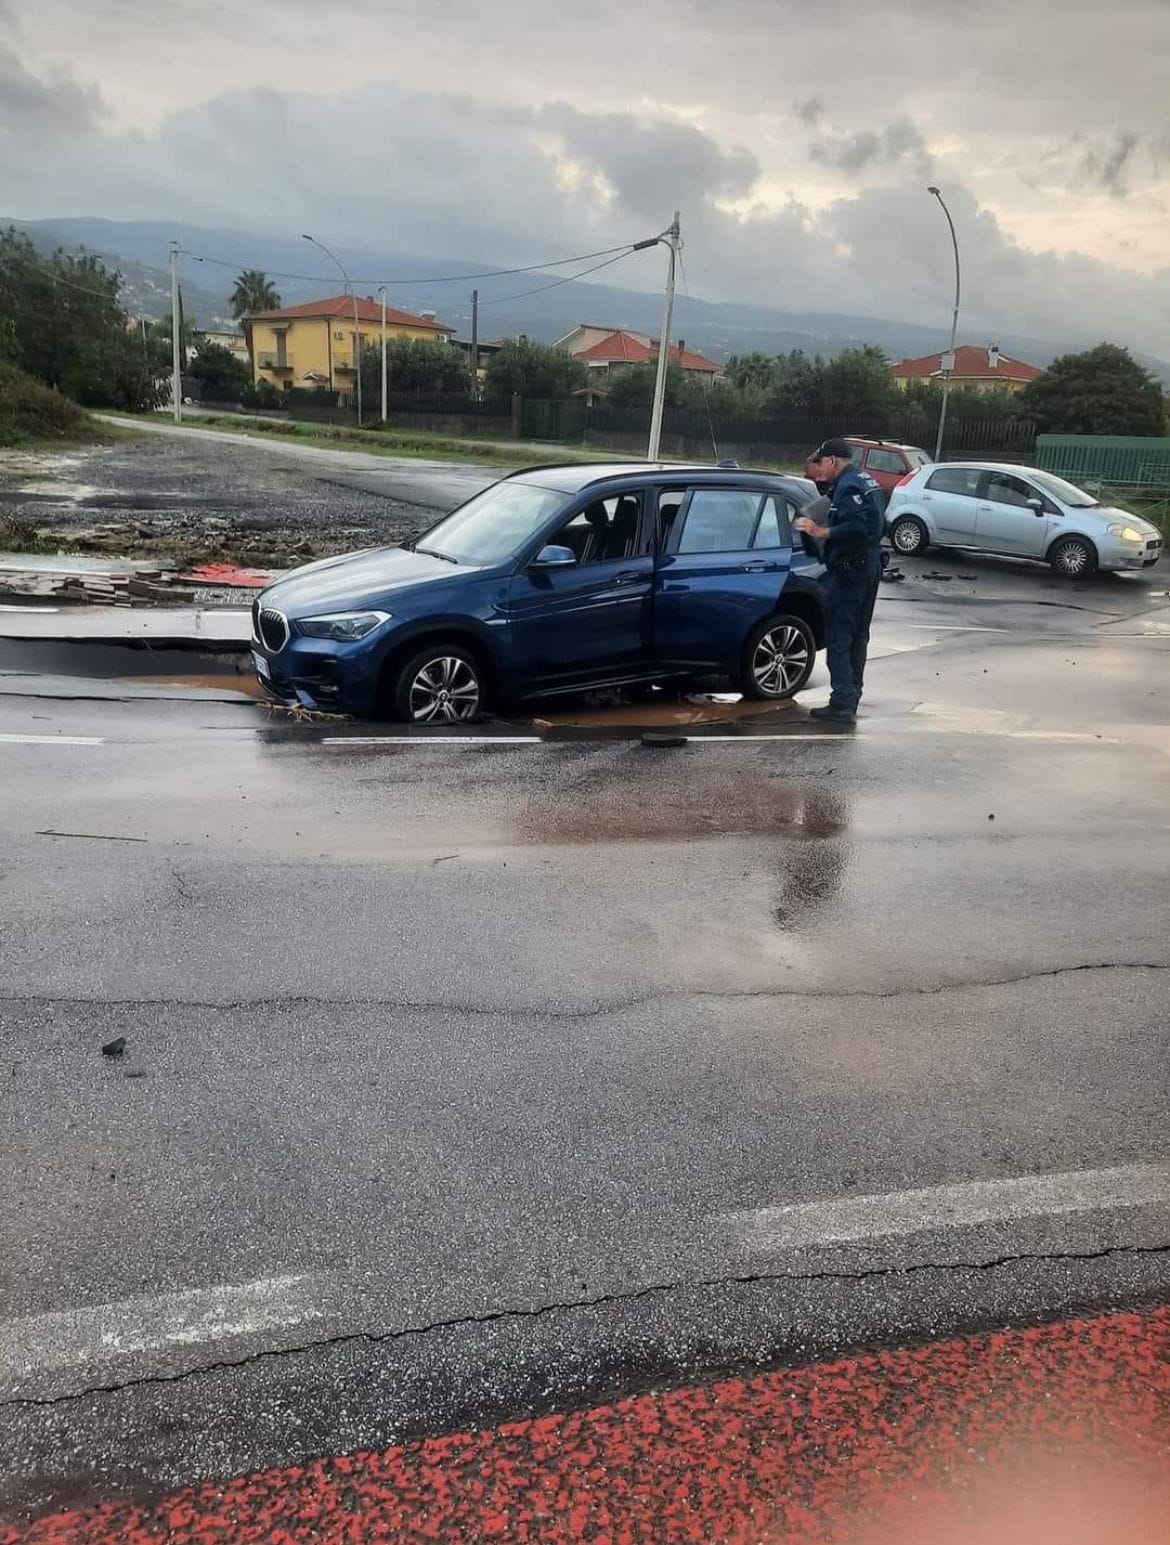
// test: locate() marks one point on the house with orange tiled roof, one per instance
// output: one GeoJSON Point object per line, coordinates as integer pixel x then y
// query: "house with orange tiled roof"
{"type": "Point", "coordinates": [605, 351]}
{"type": "Point", "coordinates": [316, 344]}
{"type": "Point", "coordinates": [985, 370]}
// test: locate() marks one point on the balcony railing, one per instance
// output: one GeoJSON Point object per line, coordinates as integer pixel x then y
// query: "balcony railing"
{"type": "Point", "coordinates": [275, 361]}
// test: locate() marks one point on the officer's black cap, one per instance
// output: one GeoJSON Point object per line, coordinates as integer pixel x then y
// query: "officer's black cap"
{"type": "Point", "coordinates": [840, 448]}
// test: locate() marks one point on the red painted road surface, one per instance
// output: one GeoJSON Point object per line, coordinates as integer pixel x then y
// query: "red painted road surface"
{"type": "Point", "coordinates": [1052, 1436]}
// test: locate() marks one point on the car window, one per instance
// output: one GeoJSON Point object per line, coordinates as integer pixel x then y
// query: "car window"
{"type": "Point", "coordinates": [494, 524]}
{"type": "Point", "coordinates": [1065, 493]}
{"type": "Point", "coordinates": [605, 530]}
{"type": "Point", "coordinates": [1003, 488]}
{"type": "Point", "coordinates": [670, 501]}
{"type": "Point", "coordinates": [775, 528]}
{"type": "Point", "coordinates": [719, 520]}
{"type": "Point", "coordinates": [917, 458]}
{"type": "Point", "coordinates": [955, 480]}
{"type": "Point", "coordinates": [885, 461]}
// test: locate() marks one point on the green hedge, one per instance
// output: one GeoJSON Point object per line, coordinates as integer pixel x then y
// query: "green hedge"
{"type": "Point", "coordinates": [30, 411]}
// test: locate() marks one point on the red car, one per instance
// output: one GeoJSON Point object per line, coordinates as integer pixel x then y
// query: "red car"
{"type": "Point", "coordinates": [886, 461]}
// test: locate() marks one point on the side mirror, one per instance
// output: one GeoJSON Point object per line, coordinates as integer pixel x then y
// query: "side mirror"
{"type": "Point", "coordinates": [555, 558]}
{"type": "Point", "coordinates": [1036, 505]}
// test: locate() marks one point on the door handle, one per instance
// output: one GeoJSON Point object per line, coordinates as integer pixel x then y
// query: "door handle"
{"type": "Point", "coordinates": [756, 567]}
{"type": "Point", "coordinates": [629, 577]}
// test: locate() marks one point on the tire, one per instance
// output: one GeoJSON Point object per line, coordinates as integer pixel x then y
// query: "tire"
{"type": "Point", "coordinates": [1073, 557]}
{"type": "Point", "coordinates": [443, 683]}
{"type": "Point", "coordinates": [778, 658]}
{"type": "Point", "coordinates": [908, 536]}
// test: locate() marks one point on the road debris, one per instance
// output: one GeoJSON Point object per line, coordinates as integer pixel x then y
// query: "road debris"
{"type": "Point", "coordinates": [114, 1048]}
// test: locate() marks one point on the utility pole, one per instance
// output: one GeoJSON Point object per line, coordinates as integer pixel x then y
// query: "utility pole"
{"type": "Point", "coordinates": [948, 362]}
{"type": "Point", "coordinates": [357, 336]}
{"type": "Point", "coordinates": [475, 343]}
{"type": "Point", "coordinates": [672, 239]}
{"type": "Point", "coordinates": [176, 374]}
{"type": "Point", "coordinates": [382, 292]}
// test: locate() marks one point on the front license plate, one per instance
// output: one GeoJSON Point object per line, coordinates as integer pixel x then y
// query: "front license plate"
{"type": "Point", "coordinates": [261, 665]}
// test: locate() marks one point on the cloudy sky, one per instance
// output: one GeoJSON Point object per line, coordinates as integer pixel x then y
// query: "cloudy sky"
{"type": "Point", "coordinates": [796, 139]}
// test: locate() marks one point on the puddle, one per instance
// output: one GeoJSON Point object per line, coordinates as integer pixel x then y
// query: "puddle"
{"type": "Point", "coordinates": [233, 682]}
{"type": "Point", "coordinates": [675, 806]}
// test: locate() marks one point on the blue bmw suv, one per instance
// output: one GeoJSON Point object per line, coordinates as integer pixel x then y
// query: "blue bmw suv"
{"type": "Point", "coordinates": [554, 580]}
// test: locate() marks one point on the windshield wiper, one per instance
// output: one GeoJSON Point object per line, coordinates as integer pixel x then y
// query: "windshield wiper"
{"type": "Point", "coordinates": [433, 552]}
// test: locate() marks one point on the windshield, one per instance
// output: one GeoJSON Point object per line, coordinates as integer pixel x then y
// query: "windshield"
{"type": "Point", "coordinates": [493, 525]}
{"type": "Point", "coordinates": [1058, 489]}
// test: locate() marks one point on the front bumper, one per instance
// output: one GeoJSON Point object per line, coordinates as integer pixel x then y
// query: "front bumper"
{"type": "Point", "coordinates": [1131, 555]}
{"type": "Point", "coordinates": [317, 674]}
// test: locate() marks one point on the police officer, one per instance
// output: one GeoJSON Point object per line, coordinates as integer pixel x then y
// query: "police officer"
{"type": "Point", "coordinates": [851, 549]}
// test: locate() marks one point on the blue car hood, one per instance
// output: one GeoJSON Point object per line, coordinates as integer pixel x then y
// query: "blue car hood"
{"type": "Point", "coordinates": [357, 580]}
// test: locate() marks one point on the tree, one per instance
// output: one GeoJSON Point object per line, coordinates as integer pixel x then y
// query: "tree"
{"type": "Point", "coordinates": [1103, 391]}
{"type": "Point", "coordinates": [755, 379]}
{"type": "Point", "coordinates": [413, 365]}
{"type": "Point", "coordinates": [254, 291]}
{"type": "Point", "coordinates": [537, 370]}
{"type": "Point", "coordinates": [217, 374]}
{"type": "Point", "coordinates": [66, 329]}
{"type": "Point", "coordinates": [632, 386]}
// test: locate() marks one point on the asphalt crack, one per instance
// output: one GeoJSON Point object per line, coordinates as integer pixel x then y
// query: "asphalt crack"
{"type": "Point", "coordinates": [595, 1011]}
{"type": "Point", "coordinates": [569, 1306]}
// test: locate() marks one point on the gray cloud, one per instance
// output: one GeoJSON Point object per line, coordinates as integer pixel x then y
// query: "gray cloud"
{"type": "Point", "coordinates": [31, 107]}
{"type": "Point", "coordinates": [1108, 167]}
{"type": "Point", "coordinates": [898, 143]}
{"type": "Point", "coordinates": [810, 111]}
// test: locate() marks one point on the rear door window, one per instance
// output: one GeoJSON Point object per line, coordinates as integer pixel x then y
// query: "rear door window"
{"type": "Point", "coordinates": [955, 480]}
{"type": "Point", "coordinates": [880, 460]}
{"type": "Point", "coordinates": [774, 528]}
{"type": "Point", "coordinates": [720, 520]}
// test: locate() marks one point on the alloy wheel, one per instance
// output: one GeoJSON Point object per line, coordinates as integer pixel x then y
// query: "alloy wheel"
{"type": "Point", "coordinates": [444, 691]}
{"type": "Point", "coordinates": [780, 660]}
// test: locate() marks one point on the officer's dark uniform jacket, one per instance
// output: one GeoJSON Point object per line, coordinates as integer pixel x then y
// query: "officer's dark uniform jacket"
{"type": "Point", "coordinates": [856, 523]}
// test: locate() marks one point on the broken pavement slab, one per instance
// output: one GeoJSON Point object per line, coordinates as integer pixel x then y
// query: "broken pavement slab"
{"type": "Point", "coordinates": [216, 629]}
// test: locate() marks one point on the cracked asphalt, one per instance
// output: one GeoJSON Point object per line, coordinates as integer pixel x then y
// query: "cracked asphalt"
{"type": "Point", "coordinates": [464, 1084]}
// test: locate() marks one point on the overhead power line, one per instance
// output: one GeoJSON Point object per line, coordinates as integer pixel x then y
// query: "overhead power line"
{"type": "Point", "coordinates": [495, 273]}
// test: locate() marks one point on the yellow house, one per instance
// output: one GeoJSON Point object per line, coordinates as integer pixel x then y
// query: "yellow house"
{"type": "Point", "coordinates": [313, 345]}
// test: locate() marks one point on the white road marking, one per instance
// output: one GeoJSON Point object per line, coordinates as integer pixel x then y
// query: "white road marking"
{"type": "Point", "coordinates": [953, 627]}
{"type": "Point", "coordinates": [848, 1219]}
{"type": "Point", "coordinates": [52, 740]}
{"type": "Point", "coordinates": [101, 1333]}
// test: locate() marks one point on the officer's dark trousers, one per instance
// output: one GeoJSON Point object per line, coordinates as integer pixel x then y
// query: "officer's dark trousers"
{"type": "Point", "coordinates": [850, 601]}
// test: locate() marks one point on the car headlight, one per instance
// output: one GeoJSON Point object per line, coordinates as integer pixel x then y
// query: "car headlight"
{"type": "Point", "coordinates": [1126, 533]}
{"type": "Point", "coordinates": [342, 627]}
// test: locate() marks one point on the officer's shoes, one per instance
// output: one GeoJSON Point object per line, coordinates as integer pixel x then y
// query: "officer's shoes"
{"type": "Point", "coordinates": [831, 715]}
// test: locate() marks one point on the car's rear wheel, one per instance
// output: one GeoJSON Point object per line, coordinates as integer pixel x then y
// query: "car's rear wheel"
{"type": "Point", "coordinates": [908, 536]}
{"type": "Point", "coordinates": [1073, 558]}
{"type": "Point", "coordinates": [441, 684]}
{"type": "Point", "coordinates": [778, 658]}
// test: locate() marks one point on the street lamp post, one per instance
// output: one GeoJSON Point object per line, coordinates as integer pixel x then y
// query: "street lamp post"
{"type": "Point", "coordinates": [357, 336]}
{"type": "Point", "coordinates": [382, 293]}
{"type": "Point", "coordinates": [950, 360]}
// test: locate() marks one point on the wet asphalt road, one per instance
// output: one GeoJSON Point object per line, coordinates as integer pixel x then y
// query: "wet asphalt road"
{"type": "Point", "coordinates": [464, 1082]}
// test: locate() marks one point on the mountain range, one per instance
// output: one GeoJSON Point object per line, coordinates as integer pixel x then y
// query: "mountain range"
{"type": "Point", "coordinates": [540, 305]}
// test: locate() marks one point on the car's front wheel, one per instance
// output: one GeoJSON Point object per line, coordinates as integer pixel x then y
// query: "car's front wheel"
{"type": "Point", "coordinates": [1073, 558]}
{"type": "Point", "coordinates": [441, 684]}
{"type": "Point", "coordinates": [908, 536]}
{"type": "Point", "coordinates": [778, 658]}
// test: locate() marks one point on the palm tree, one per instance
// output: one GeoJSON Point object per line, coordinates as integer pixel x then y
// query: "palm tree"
{"type": "Point", "coordinates": [254, 291]}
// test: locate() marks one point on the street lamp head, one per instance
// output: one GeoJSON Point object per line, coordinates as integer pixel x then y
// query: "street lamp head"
{"type": "Point", "coordinates": [935, 191]}
{"type": "Point", "coordinates": [305, 236]}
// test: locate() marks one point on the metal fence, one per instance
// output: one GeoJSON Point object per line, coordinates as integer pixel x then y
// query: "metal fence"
{"type": "Point", "coordinates": [1129, 461]}
{"type": "Point", "coordinates": [571, 421]}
